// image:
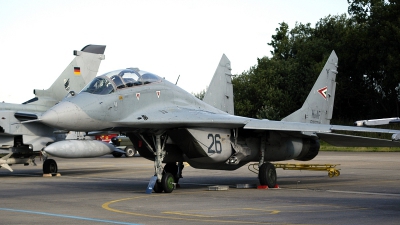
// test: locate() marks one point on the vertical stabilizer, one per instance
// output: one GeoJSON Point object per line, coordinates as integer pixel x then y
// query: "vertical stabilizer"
{"type": "Point", "coordinates": [318, 107]}
{"type": "Point", "coordinates": [220, 92]}
{"type": "Point", "coordinates": [79, 72]}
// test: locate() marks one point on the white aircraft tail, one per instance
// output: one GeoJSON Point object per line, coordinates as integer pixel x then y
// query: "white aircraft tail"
{"type": "Point", "coordinates": [220, 92]}
{"type": "Point", "coordinates": [318, 107]}
{"type": "Point", "coordinates": [79, 72]}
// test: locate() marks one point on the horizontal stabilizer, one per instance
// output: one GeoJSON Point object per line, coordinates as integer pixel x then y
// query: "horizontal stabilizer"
{"type": "Point", "coordinates": [343, 140]}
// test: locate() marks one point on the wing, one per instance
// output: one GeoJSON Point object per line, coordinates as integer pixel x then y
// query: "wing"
{"type": "Point", "coordinates": [324, 132]}
{"type": "Point", "coordinates": [181, 117]}
{"type": "Point", "coordinates": [184, 117]}
{"type": "Point", "coordinates": [355, 141]}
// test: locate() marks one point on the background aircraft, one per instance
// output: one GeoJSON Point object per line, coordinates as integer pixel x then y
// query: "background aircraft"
{"type": "Point", "coordinates": [377, 122]}
{"type": "Point", "coordinates": [168, 125]}
{"type": "Point", "coordinates": [21, 143]}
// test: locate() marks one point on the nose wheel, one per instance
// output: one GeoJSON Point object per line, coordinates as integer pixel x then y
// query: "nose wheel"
{"type": "Point", "coordinates": [50, 166]}
{"type": "Point", "coordinates": [167, 184]}
{"type": "Point", "coordinates": [165, 180]}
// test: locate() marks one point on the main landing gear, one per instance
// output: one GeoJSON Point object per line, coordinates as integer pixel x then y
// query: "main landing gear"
{"type": "Point", "coordinates": [267, 175]}
{"type": "Point", "coordinates": [266, 170]}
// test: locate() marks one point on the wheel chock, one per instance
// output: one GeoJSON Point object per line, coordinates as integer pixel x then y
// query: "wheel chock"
{"type": "Point", "coordinates": [51, 175]}
{"type": "Point", "coordinates": [266, 187]}
{"type": "Point", "coordinates": [262, 187]}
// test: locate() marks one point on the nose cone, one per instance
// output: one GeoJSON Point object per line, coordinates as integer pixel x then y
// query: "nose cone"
{"type": "Point", "coordinates": [64, 115]}
{"type": "Point", "coordinates": [50, 117]}
{"type": "Point", "coordinates": [78, 114]}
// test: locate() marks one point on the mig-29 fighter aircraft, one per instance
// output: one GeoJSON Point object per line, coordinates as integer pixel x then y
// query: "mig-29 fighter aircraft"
{"type": "Point", "coordinates": [168, 125]}
{"type": "Point", "coordinates": [21, 143]}
{"type": "Point", "coordinates": [377, 122]}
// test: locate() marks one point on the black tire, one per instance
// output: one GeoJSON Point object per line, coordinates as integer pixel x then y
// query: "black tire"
{"type": "Point", "coordinates": [167, 182]}
{"type": "Point", "coordinates": [117, 154]}
{"type": "Point", "coordinates": [50, 166]}
{"type": "Point", "coordinates": [129, 152]}
{"type": "Point", "coordinates": [171, 168]}
{"type": "Point", "coordinates": [157, 187]}
{"type": "Point", "coordinates": [267, 175]}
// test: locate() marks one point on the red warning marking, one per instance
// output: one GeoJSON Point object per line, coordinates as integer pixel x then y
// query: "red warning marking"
{"type": "Point", "coordinates": [323, 91]}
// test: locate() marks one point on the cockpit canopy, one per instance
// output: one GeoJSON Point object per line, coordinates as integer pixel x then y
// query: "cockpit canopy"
{"type": "Point", "coordinates": [118, 79]}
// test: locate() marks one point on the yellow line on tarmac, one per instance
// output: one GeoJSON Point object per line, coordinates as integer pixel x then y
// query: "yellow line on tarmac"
{"type": "Point", "coordinates": [264, 211]}
{"type": "Point", "coordinates": [106, 206]}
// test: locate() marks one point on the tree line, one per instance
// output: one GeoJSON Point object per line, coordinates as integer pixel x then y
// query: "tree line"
{"type": "Point", "coordinates": [367, 43]}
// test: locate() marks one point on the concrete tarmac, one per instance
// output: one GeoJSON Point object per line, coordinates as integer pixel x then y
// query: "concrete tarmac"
{"type": "Point", "coordinates": [110, 190]}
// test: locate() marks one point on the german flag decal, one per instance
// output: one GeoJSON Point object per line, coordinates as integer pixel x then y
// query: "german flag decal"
{"type": "Point", "coordinates": [77, 70]}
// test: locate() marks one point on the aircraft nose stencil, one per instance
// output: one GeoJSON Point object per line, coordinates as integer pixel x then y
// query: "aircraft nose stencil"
{"type": "Point", "coordinates": [323, 91]}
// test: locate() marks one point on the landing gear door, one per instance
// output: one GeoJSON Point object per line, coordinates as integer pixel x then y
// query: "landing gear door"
{"type": "Point", "coordinates": [214, 142]}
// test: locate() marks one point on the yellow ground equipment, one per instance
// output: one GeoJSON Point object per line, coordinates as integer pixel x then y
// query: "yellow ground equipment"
{"type": "Point", "coordinates": [331, 168]}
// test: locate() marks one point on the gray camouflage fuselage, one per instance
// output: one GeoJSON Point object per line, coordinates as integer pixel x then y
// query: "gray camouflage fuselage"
{"type": "Point", "coordinates": [198, 133]}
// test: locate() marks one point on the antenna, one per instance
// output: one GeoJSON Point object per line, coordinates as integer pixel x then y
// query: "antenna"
{"type": "Point", "coordinates": [177, 80]}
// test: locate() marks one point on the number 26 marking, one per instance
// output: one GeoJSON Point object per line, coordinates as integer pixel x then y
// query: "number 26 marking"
{"type": "Point", "coordinates": [215, 141]}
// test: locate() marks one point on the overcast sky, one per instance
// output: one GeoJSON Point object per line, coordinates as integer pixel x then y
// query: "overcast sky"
{"type": "Point", "coordinates": [168, 38]}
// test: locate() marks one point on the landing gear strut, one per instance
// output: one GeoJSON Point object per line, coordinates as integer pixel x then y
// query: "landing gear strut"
{"type": "Point", "coordinates": [266, 171]}
{"type": "Point", "coordinates": [165, 180]}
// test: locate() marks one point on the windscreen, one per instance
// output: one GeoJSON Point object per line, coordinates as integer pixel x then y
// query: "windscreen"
{"type": "Point", "coordinates": [100, 86]}
{"type": "Point", "coordinates": [119, 79]}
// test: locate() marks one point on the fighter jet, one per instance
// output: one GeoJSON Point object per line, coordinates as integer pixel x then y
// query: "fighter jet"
{"type": "Point", "coordinates": [21, 143]}
{"type": "Point", "coordinates": [168, 125]}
